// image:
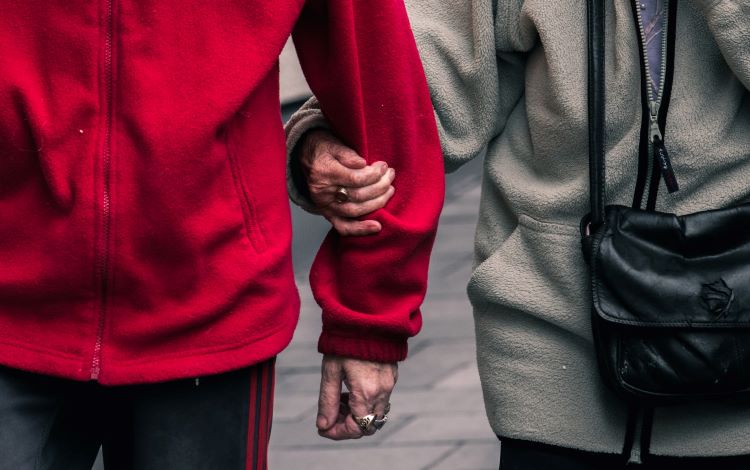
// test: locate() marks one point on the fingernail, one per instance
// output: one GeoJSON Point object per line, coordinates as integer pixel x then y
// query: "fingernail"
{"type": "Point", "coordinates": [393, 173]}
{"type": "Point", "coordinates": [382, 166]}
{"type": "Point", "coordinates": [322, 422]}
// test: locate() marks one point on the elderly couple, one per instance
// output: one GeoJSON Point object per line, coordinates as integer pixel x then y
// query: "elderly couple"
{"type": "Point", "coordinates": [146, 281]}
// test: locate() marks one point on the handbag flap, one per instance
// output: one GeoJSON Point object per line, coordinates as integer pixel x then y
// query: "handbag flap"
{"type": "Point", "coordinates": [660, 270]}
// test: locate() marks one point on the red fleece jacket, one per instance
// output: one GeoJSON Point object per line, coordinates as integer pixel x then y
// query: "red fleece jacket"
{"type": "Point", "coordinates": [144, 225]}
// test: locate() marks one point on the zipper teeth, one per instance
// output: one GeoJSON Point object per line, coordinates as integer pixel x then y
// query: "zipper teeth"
{"type": "Point", "coordinates": [106, 200]}
{"type": "Point", "coordinates": [663, 58]}
{"type": "Point", "coordinates": [663, 67]}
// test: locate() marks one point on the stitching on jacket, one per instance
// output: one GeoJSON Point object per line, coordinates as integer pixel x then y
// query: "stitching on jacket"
{"type": "Point", "coordinates": [42, 350]}
{"type": "Point", "coordinates": [253, 232]}
{"type": "Point", "coordinates": [550, 228]}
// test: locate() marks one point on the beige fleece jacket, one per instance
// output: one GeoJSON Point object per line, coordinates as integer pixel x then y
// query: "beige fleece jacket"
{"type": "Point", "coordinates": [510, 75]}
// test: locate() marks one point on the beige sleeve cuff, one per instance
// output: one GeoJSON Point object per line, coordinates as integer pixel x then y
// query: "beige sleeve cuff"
{"type": "Point", "coordinates": [307, 118]}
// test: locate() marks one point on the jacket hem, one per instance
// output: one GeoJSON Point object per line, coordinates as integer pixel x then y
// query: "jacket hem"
{"type": "Point", "coordinates": [16, 355]}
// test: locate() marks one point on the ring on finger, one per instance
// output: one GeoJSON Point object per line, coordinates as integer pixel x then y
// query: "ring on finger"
{"type": "Point", "coordinates": [342, 195]}
{"type": "Point", "coordinates": [372, 422]}
{"type": "Point", "coordinates": [365, 423]}
{"type": "Point", "coordinates": [378, 423]}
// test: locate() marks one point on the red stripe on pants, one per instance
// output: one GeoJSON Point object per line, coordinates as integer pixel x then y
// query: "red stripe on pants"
{"type": "Point", "coordinates": [261, 414]}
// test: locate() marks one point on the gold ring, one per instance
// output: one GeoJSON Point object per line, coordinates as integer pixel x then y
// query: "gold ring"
{"type": "Point", "coordinates": [341, 195]}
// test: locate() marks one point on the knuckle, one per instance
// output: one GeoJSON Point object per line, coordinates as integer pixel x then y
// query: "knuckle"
{"type": "Point", "coordinates": [371, 392]}
{"type": "Point", "coordinates": [315, 189]}
{"type": "Point", "coordinates": [349, 210]}
{"type": "Point", "coordinates": [355, 195]}
{"type": "Point", "coordinates": [359, 179]}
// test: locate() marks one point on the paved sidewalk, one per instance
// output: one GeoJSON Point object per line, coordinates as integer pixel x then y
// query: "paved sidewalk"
{"type": "Point", "coordinates": [438, 419]}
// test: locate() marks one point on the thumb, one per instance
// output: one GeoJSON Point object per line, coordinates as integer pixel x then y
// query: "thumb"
{"type": "Point", "coordinates": [349, 158]}
{"type": "Point", "coordinates": [330, 393]}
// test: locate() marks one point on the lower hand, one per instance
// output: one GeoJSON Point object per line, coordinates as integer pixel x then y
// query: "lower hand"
{"type": "Point", "coordinates": [370, 385]}
{"type": "Point", "coordinates": [329, 165]}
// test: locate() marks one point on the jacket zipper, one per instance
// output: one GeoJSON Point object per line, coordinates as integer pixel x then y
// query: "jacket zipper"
{"type": "Point", "coordinates": [656, 135]}
{"type": "Point", "coordinates": [103, 261]}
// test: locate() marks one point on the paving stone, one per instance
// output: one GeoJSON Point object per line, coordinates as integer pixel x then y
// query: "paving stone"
{"type": "Point", "coordinates": [436, 360]}
{"type": "Point", "coordinates": [467, 377]}
{"type": "Point", "coordinates": [456, 309]}
{"type": "Point", "coordinates": [447, 328]}
{"type": "Point", "coordinates": [299, 383]}
{"type": "Point", "coordinates": [445, 426]}
{"type": "Point", "coordinates": [437, 400]}
{"type": "Point", "coordinates": [472, 457]}
{"type": "Point", "coordinates": [345, 456]}
{"type": "Point", "coordinates": [293, 408]}
{"type": "Point", "coordinates": [300, 355]}
{"type": "Point", "coordinates": [302, 433]}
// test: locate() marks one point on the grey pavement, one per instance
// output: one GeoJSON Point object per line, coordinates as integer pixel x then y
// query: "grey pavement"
{"type": "Point", "coordinates": [438, 419]}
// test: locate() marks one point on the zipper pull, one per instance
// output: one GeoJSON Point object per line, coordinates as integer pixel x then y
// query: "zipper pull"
{"type": "Point", "coordinates": [662, 156]}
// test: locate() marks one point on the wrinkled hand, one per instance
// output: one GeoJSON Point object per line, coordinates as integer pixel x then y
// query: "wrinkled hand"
{"type": "Point", "coordinates": [370, 385]}
{"type": "Point", "coordinates": [328, 164]}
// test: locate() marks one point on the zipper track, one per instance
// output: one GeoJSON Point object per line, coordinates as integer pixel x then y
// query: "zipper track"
{"type": "Point", "coordinates": [103, 260]}
{"type": "Point", "coordinates": [653, 161]}
{"type": "Point", "coordinates": [663, 58]}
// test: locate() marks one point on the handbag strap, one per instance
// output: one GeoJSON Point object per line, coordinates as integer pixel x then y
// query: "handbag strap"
{"type": "Point", "coordinates": [596, 108]}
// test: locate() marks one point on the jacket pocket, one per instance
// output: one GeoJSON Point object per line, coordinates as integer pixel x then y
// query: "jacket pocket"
{"type": "Point", "coordinates": [253, 227]}
{"type": "Point", "coordinates": [538, 270]}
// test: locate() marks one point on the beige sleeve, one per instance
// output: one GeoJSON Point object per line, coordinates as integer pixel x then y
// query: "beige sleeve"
{"type": "Point", "coordinates": [307, 118]}
{"type": "Point", "coordinates": [472, 52]}
{"type": "Point", "coordinates": [729, 22]}
{"type": "Point", "coordinates": [475, 79]}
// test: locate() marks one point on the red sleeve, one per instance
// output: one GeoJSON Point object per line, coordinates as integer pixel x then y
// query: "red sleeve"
{"type": "Point", "coordinates": [361, 61]}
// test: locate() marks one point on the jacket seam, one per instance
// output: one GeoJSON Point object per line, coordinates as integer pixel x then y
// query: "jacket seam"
{"type": "Point", "coordinates": [253, 231]}
{"type": "Point", "coordinates": [547, 227]}
{"type": "Point", "coordinates": [35, 348]}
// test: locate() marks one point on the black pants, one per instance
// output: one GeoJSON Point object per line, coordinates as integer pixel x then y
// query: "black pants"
{"type": "Point", "coordinates": [522, 455]}
{"type": "Point", "coordinates": [219, 422]}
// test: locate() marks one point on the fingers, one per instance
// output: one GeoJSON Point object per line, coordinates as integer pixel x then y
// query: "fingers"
{"type": "Point", "coordinates": [330, 392]}
{"type": "Point", "coordinates": [374, 190]}
{"type": "Point", "coordinates": [362, 405]}
{"type": "Point", "coordinates": [370, 386]}
{"type": "Point", "coordinates": [319, 143]}
{"type": "Point", "coordinates": [348, 157]}
{"type": "Point", "coordinates": [358, 209]}
{"type": "Point", "coordinates": [340, 175]}
{"type": "Point", "coordinates": [345, 428]}
{"type": "Point", "coordinates": [355, 228]}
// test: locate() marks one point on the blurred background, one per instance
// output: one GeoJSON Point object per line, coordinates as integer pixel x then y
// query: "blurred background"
{"type": "Point", "coordinates": [437, 419]}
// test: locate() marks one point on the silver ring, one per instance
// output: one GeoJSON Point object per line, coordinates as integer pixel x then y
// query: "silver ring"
{"type": "Point", "coordinates": [379, 423]}
{"type": "Point", "coordinates": [371, 421]}
{"type": "Point", "coordinates": [364, 422]}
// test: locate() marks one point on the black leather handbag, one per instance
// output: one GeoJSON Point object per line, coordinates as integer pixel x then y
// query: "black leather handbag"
{"type": "Point", "coordinates": [671, 293]}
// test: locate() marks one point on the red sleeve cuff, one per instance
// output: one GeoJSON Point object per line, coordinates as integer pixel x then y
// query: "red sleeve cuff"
{"type": "Point", "coordinates": [363, 347]}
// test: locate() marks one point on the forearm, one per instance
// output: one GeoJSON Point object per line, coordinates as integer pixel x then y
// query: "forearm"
{"type": "Point", "coordinates": [372, 90]}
